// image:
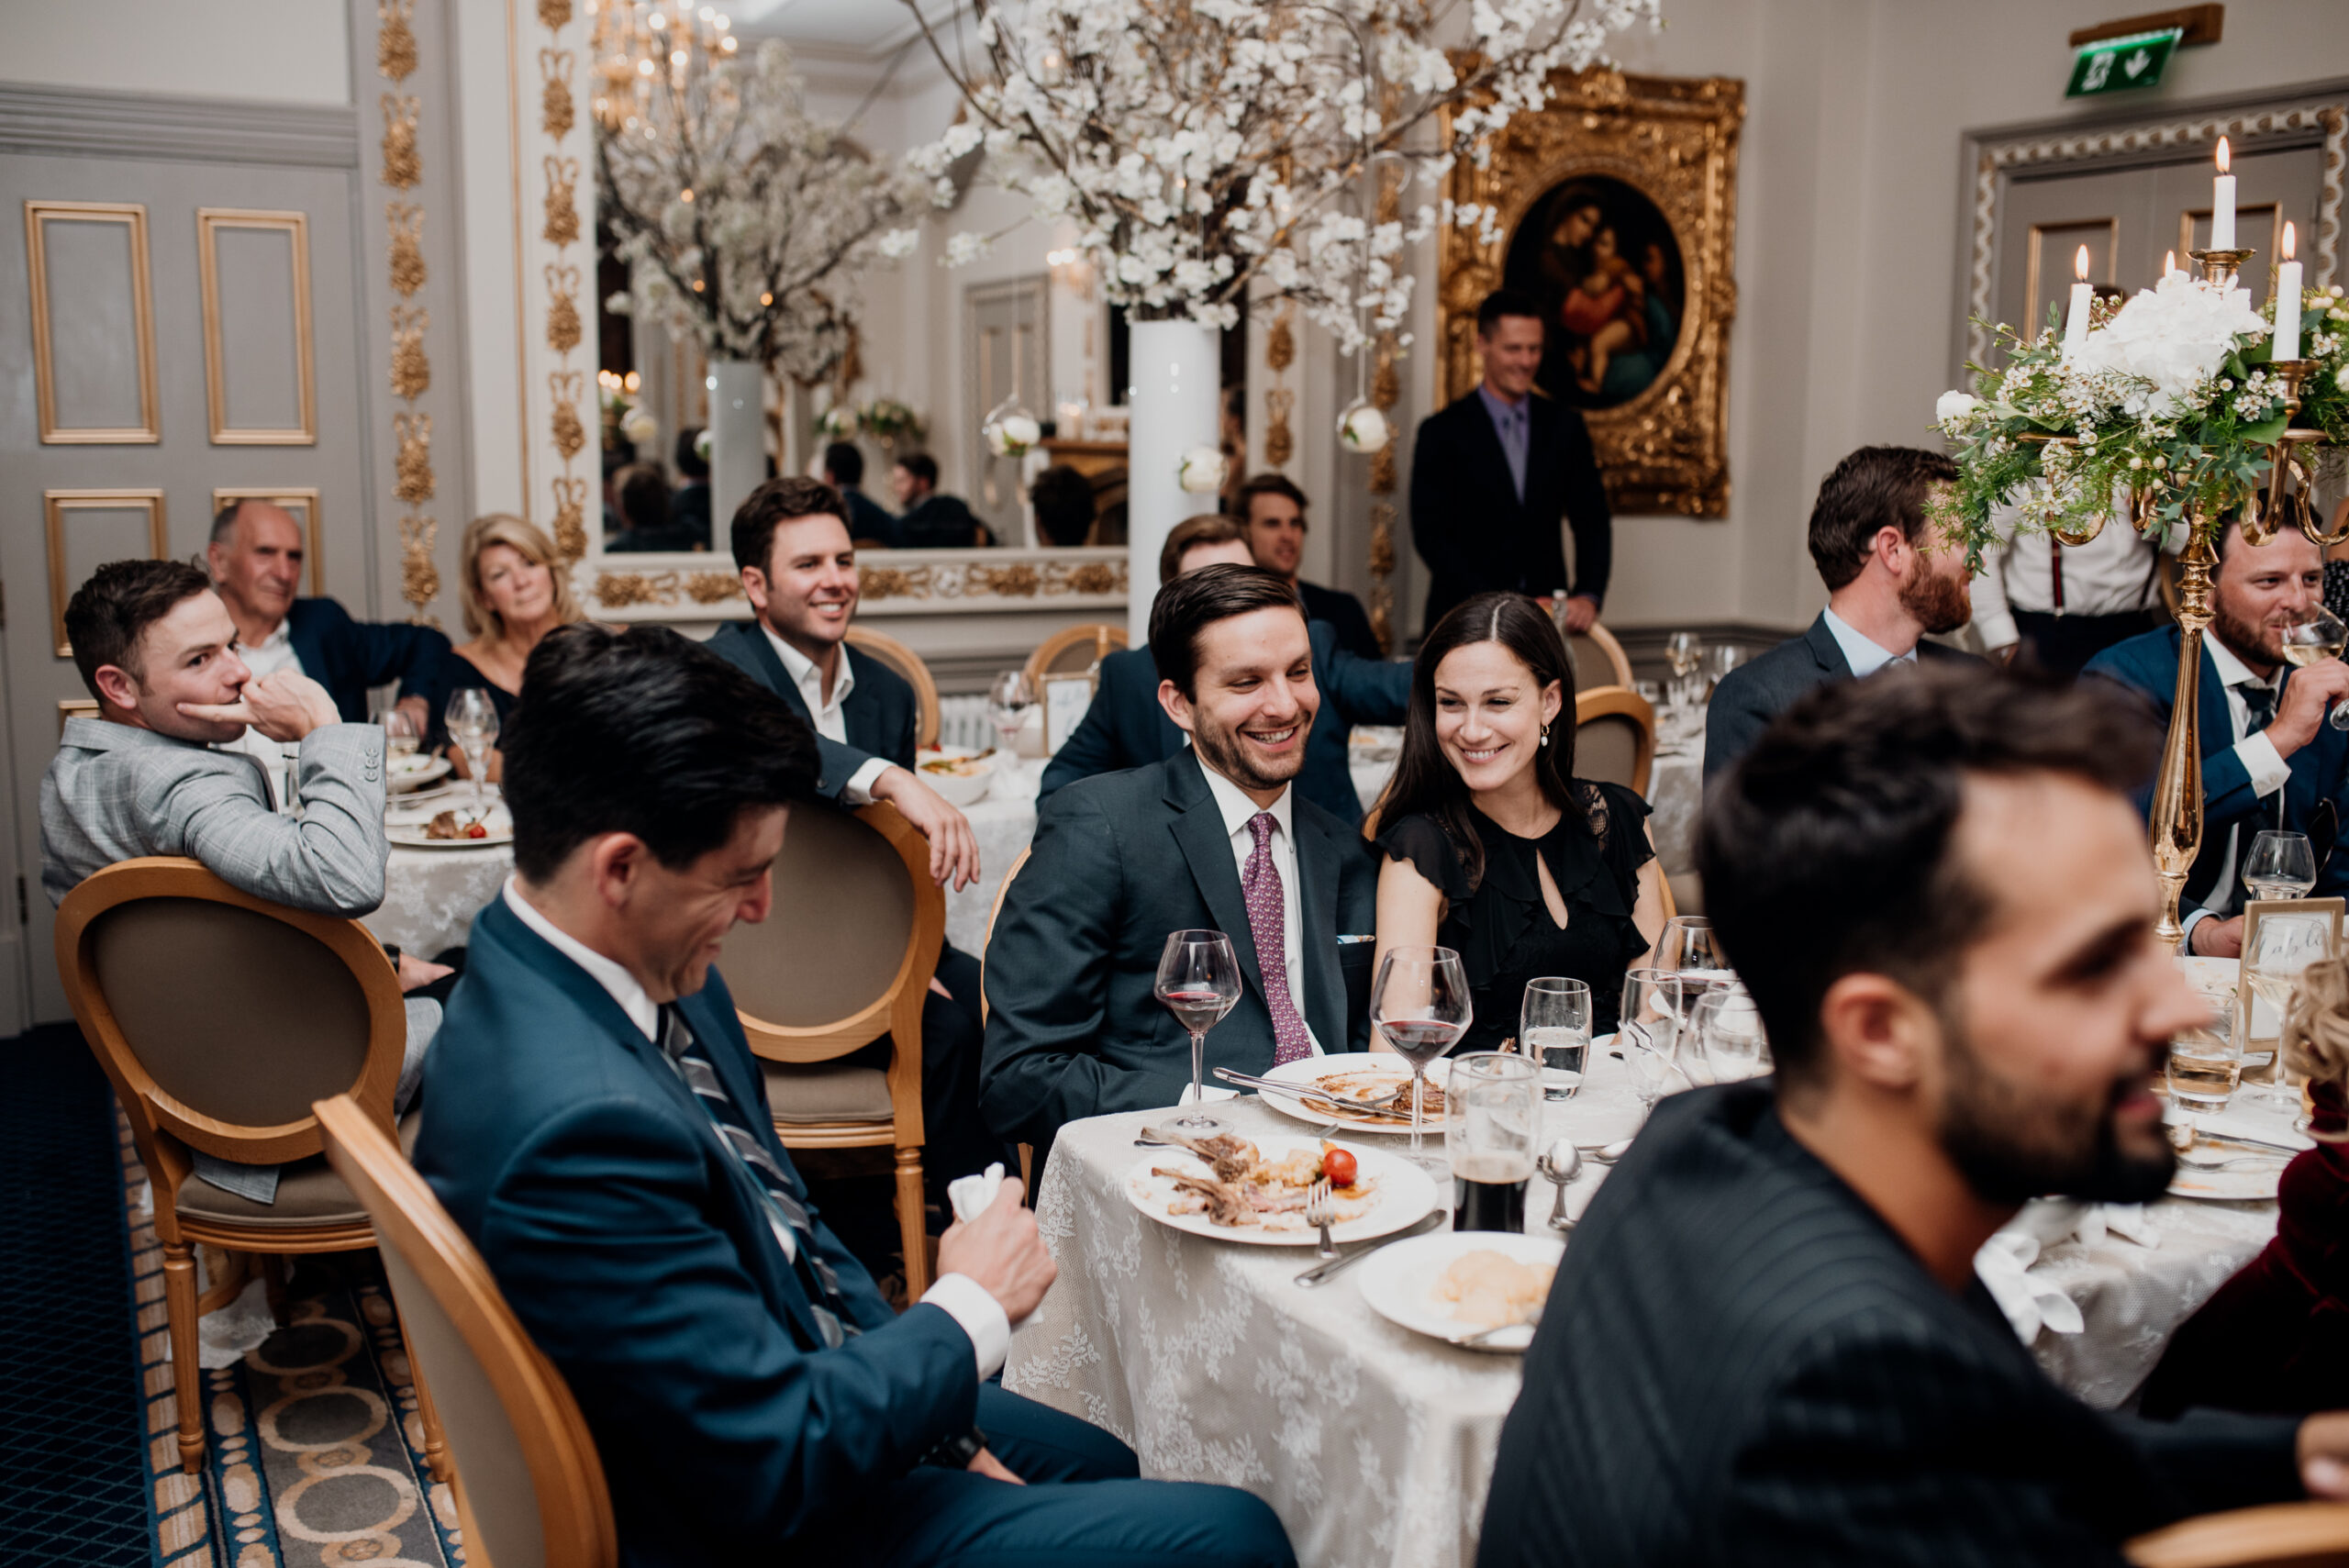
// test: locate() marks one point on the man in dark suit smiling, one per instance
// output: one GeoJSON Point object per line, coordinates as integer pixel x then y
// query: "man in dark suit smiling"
{"type": "Point", "coordinates": [601, 1134]}
{"type": "Point", "coordinates": [1767, 1343]}
{"type": "Point", "coordinates": [1213, 838]}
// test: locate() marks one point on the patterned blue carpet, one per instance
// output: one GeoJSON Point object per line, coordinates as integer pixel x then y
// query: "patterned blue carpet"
{"type": "Point", "coordinates": [73, 1464]}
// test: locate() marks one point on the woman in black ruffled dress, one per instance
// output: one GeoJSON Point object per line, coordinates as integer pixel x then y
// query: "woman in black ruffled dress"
{"type": "Point", "coordinates": [1492, 845]}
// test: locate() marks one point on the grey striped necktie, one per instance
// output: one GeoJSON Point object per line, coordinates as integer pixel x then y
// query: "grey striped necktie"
{"type": "Point", "coordinates": [795, 1232]}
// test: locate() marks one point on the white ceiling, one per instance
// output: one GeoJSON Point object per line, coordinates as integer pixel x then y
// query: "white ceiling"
{"type": "Point", "coordinates": [871, 28]}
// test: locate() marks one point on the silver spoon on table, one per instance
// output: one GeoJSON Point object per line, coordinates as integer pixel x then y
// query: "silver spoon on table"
{"type": "Point", "coordinates": [1561, 1161]}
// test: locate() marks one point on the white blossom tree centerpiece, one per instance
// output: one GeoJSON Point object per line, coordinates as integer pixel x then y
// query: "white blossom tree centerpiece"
{"type": "Point", "coordinates": [745, 219]}
{"type": "Point", "coordinates": [1212, 152]}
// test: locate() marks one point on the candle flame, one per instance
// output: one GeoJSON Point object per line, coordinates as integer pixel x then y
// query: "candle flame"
{"type": "Point", "coordinates": [2224, 160]}
{"type": "Point", "coordinates": [2290, 242]}
{"type": "Point", "coordinates": [2080, 264]}
{"type": "Point", "coordinates": [2169, 263]}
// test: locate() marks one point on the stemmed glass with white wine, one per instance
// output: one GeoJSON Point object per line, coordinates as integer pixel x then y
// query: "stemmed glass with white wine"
{"type": "Point", "coordinates": [1198, 980]}
{"type": "Point", "coordinates": [2279, 865]}
{"type": "Point", "coordinates": [1008, 700]}
{"type": "Point", "coordinates": [472, 719]}
{"type": "Point", "coordinates": [2318, 636]}
{"type": "Point", "coordinates": [1420, 1005]}
{"type": "Point", "coordinates": [1682, 652]}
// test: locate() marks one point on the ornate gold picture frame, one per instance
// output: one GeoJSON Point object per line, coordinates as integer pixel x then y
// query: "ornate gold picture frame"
{"type": "Point", "coordinates": [1617, 205]}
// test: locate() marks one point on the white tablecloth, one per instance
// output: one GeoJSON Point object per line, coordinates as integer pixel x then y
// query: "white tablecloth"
{"type": "Point", "coordinates": [1675, 791]}
{"type": "Point", "coordinates": [430, 896]}
{"type": "Point", "coordinates": [1374, 1445]}
{"type": "Point", "coordinates": [1003, 823]}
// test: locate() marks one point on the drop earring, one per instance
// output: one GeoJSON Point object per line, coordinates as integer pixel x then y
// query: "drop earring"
{"type": "Point", "coordinates": [1545, 735]}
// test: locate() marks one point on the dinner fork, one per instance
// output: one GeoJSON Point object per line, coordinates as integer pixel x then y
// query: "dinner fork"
{"type": "Point", "coordinates": [1309, 1091]}
{"type": "Point", "coordinates": [1322, 1210]}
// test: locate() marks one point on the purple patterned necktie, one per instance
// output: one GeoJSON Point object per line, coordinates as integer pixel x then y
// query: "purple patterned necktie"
{"type": "Point", "coordinates": [1260, 885]}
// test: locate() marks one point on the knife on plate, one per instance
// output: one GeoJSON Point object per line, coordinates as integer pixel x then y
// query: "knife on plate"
{"type": "Point", "coordinates": [1321, 1272]}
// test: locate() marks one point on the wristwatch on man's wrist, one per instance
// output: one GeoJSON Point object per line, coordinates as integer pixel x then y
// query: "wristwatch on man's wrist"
{"type": "Point", "coordinates": [957, 1451]}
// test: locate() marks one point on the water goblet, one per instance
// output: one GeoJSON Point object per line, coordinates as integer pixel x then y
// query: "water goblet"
{"type": "Point", "coordinates": [2279, 865]}
{"type": "Point", "coordinates": [1554, 1031]}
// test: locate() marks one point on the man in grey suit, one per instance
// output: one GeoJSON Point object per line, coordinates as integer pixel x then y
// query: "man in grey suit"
{"type": "Point", "coordinates": [1212, 837]}
{"type": "Point", "coordinates": [157, 648]}
{"type": "Point", "coordinates": [1890, 578]}
{"type": "Point", "coordinates": [1767, 1343]}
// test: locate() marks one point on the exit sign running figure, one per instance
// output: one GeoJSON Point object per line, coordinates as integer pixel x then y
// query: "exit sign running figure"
{"type": "Point", "coordinates": [2117, 65]}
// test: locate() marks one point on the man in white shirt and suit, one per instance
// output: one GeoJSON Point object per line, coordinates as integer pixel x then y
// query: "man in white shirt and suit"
{"type": "Point", "coordinates": [1891, 579]}
{"type": "Point", "coordinates": [2060, 606]}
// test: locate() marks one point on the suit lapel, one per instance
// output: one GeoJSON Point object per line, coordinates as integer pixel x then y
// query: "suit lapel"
{"type": "Point", "coordinates": [771, 672]}
{"type": "Point", "coordinates": [1827, 650]}
{"type": "Point", "coordinates": [1497, 455]}
{"type": "Point", "coordinates": [1316, 925]}
{"type": "Point", "coordinates": [1207, 847]}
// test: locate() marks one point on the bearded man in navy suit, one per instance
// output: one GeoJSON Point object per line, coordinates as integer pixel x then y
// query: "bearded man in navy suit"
{"type": "Point", "coordinates": [601, 1134]}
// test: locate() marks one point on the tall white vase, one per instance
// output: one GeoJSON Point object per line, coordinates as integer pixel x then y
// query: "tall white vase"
{"type": "Point", "coordinates": [1172, 407]}
{"type": "Point", "coordinates": [738, 441]}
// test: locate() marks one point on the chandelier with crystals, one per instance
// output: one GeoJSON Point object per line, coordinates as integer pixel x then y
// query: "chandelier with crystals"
{"type": "Point", "coordinates": [642, 44]}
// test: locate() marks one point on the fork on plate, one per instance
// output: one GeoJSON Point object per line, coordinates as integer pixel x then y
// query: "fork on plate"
{"type": "Point", "coordinates": [1322, 1212]}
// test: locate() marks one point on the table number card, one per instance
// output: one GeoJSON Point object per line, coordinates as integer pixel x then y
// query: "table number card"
{"type": "Point", "coordinates": [2255, 1018]}
{"type": "Point", "coordinates": [1066, 700]}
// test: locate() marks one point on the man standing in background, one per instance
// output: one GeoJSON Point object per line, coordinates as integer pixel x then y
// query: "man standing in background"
{"type": "Point", "coordinates": [1494, 473]}
{"type": "Point", "coordinates": [1270, 509]}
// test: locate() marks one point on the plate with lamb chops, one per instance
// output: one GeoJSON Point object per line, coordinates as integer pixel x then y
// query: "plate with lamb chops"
{"type": "Point", "coordinates": [1256, 1190]}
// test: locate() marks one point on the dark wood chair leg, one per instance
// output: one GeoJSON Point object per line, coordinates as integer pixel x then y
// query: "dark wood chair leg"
{"type": "Point", "coordinates": [180, 1313]}
{"type": "Point", "coordinates": [436, 1450]}
{"type": "Point", "coordinates": [914, 1234]}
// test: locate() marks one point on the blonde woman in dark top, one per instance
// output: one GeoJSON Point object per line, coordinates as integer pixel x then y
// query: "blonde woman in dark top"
{"type": "Point", "coordinates": [1492, 845]}
{"type": "Point", "coordinates": [514, 589]}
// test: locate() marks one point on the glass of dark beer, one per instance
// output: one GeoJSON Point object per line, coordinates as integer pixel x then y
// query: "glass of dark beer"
{"type": "Point", "coordinates": [1493, 1101]}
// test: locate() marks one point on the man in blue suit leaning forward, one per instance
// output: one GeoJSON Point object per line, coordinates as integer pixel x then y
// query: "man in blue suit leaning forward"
{"type": "Point", "coordinates": [602, 1136]}
{"type": "Point", "coordinates": [2269, 760]}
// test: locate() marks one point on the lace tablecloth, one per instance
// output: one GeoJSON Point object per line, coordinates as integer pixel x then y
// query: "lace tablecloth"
{"type": "Point", "coordinates": [430, 896]}
{"type": "Point", "coordinates": [1003, 823]}
{"type": "Point", "coordinates": [1675, 792]}
{"type": "Point", "coordinates": [1376, 1446]}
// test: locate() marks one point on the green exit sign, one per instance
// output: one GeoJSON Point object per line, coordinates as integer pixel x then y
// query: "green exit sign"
{"type": "Point", "coordinates": [2116, 65]}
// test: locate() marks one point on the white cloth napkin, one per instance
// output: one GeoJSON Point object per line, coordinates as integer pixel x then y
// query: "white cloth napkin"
{"type": "Point", "coordinates": [2033, 1303]}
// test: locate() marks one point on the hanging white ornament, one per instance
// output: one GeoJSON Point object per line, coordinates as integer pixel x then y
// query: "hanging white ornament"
{"type": "Point", "coordinates": [1363, 428]}
{"type": "Point", "coordinates": [1201, 472]}
{"type": "Point", "coordinates": [1009, 429]}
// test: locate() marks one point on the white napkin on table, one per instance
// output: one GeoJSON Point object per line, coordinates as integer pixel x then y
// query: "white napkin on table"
{"type": "Point", "coordinates": [2003, 1265]}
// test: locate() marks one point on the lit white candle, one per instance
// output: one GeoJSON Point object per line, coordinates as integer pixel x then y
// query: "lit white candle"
{"type": "Point", "coordinates": [2169, 263]}
{"type": "Point", "coordinates": [2288, 303]}
{"type": "Point", "coordinates": [2076, 324]}
{"type": "Point", "coordinates": [2222, 203]}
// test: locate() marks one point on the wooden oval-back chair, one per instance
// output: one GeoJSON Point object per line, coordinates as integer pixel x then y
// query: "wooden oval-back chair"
{"type": "Point", "coordinates": [846, 957]}
{"type": "Point", "coordinates": [1599, 660]}
{"type": "Point", "coordinates": [2280, 1535]}
{"type": "Point", "coordinates": [529, 1485]}
{"type": "Point", "coordinates": [1614, 736]}
{"type": "Point", "coordinates": [908, 663]}
{"type": "Point", "coordinates": [1072, 652]}
{"type": "Point", "coordinates": [219, 1018]}
{"type": "Point", "coordinates": [994, 912]}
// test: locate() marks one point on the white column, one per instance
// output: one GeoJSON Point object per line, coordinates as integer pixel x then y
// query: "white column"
{"type": "Point", "coordinates": [1177, 370]}
{"type": "Point", "coordinates": [738, 444]}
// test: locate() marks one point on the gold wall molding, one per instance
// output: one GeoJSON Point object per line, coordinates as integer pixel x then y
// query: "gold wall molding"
{"type": "Point", "coordinates": [295, 227]}
{"type": "Point", "coordinates": [403, 166]}
{"type": "Point", "coordinates": [563, 201]}
{"type": "Point", "coordinates": [891, 583]}
{"type": "Point", "coordinates": [413, 433]}
{"type": "Point", "coordinates": [563, 308]}
{"type": "Point", "coordinates": [562, 331]}
{"type": "Point", "coordinates": [555, 14]}
{"type": "Point", "coordinates": [419, 573]}
{"type": "Point", "coordinates": [39, 215]}
{"type": "Point", "coordinates": [570, 516]}
{"type": "Point", "coordinates": [394, 38]}
{"type": "Point", "coordinates": [56, 505]}
{"type": "Point", "coordinates": [557, 114]}
{"type": "Point", "coordinates": [301, 500]}
{"type": "Point", "coordinates": [1673, 140]}
{"type": "Point", "coordinates": [411, 370]}
{"type": "Point", "coordinates": [570, 435]}
{"type": "Point", "coordinates": [406, 220]}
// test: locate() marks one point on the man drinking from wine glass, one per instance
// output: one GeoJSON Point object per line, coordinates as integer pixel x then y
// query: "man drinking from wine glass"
{"type": "Point", "coordinates": [2269, 760]}
{"type": "Point", "coordinates": [1212, 837]}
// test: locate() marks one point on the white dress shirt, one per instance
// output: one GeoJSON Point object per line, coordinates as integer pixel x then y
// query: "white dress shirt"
{"type": "Point", "coordinates": [962, 1298]}
{"type": "Point", "coordinates": [1237, 812]}
{"type": "Point", "coordinates": [832, 718]}
{"type": "Point", "coordinates": [2111, 575]}
{"type": "Point", "coordinates": [2268, 772]}
{"type": "Point", "coordinates": [1863, 653]}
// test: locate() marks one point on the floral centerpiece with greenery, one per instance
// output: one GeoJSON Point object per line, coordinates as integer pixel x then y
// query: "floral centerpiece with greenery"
{"type": "Point", "coordinates": [2169, 403]}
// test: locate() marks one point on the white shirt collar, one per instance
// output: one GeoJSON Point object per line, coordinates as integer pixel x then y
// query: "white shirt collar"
{"type": "Point", "coordinates": [1863, 653]}
{"type": "Point", "coordinates": [612, 975]}
{"type": "Point", "coordinates": [807, 678]}
{"type": "Point", "coordinates": [2232, 671]}
{"type": "Point", "coordinates": [1238, 809]}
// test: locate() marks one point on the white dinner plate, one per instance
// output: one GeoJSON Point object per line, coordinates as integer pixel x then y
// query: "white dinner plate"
{"type": "Point", "coordinates": [405, 826]}
{"type": "Point", "coordinates": [1403, 1195]}
{"type": "Point", "coordinates": [1399, 1282]}
{"type": "Point", "coordinates": [2250, 1184]}
{"type": "Point", "coordinates": [414, 771]}
{"type": "Point", "coordinates": [1311, 1070]}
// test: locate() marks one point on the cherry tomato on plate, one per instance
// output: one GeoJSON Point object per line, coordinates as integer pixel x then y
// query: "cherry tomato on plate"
{"type": "Point", "coordinates": [477, 830]}
{"type": "Point", "coordinates": [1339, 1166]}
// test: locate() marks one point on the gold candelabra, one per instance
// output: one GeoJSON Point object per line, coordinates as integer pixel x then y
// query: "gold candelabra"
{"type": "Point", "coordinates": [2176, 827]}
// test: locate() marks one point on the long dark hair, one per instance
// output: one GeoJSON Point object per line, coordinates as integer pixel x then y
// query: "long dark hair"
{"type": "Point", "coordinates": [1425, 780]}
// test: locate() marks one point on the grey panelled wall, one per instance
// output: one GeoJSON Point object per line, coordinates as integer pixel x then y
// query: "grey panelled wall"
{"type": "Point", "coordinates": [265, 303]}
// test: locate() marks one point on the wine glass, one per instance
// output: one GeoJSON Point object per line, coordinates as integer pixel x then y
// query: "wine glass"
{"type": "Point", "coordinates": [2280, 865]}
{"type": "Point", "coordinates": [1198, 979]}
{"type": "Point", "coordinates": [1655, 1001]}
{"type": "Point", "coordinates": [472, 719]}
{"type": "Point", "coordinates": [1719, 660]}
{"type": "Point", "coordinates": [1420, 1005]}
{"type": "Point", "coordinates": [1687, 943]}
{"type": "Point", "coordinates": [400, 738]}
{"type": "Point", "coordinates": [2279, 953]}
{"type": "Point", "coordinates": [1008, 700]}
{"type": "Point", "coordinates": [1681, 651]}
{"type": "Point", "coordinates": [1726, 1040]}
{"type": "Point", "coordinates": [1554, 1031]}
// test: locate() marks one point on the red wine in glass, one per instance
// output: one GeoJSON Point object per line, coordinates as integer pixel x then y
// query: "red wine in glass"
{"type": "Point", "coordinates": [1422, 1040]}
{"type": "Point", "coordinates": [1197, 1010]}
{"type": "Point", "coordinates": [1420, 1007]}
{"type": "Point", "coordinates": [1198, 979]}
